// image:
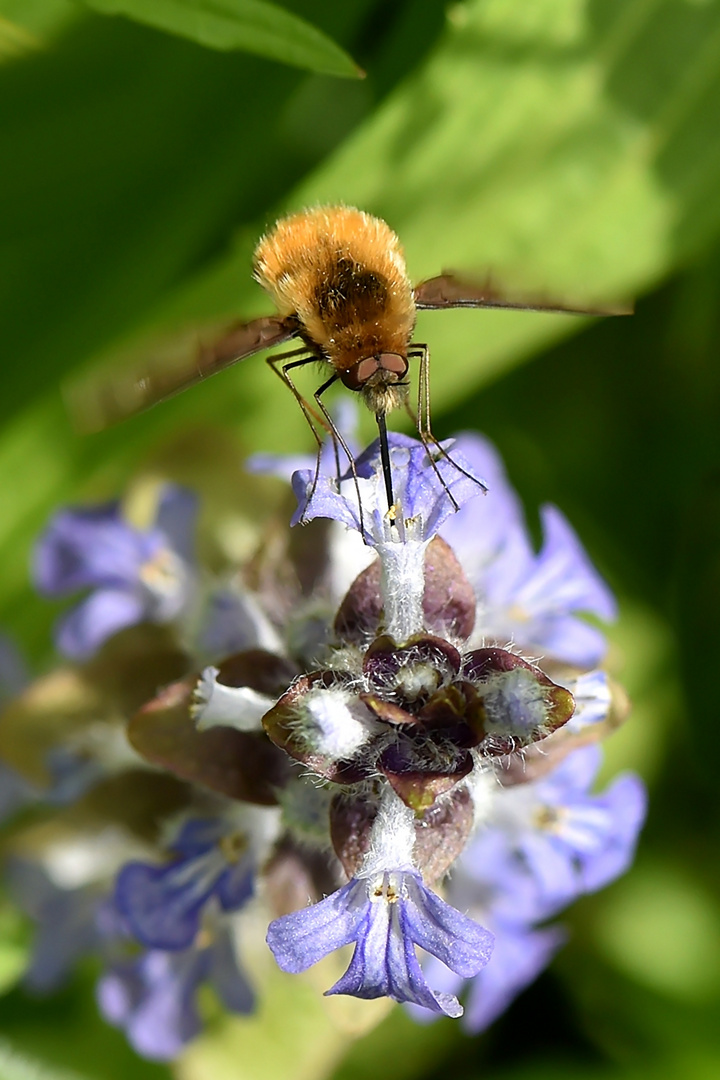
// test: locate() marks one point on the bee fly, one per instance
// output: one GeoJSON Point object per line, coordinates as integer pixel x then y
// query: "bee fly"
{"type": "Point", "coordinates": [338, 279]}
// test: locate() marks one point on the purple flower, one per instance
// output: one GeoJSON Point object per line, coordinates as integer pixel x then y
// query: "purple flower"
{"type": "Point", "coordinates": [162, 905]}
{"type": "Point", "coordinates": [435, 737]}
{"type": "Point", "coordinates": [386, 915]}
{"type": "Point", "coordinates": [153, 996]}
{"type": "Point", "coordinates": [478, 533]}
{"type": "Point", "coordinates": [132, 574]}
{"type": "Point", "coordinates": [550, 841]}
{"type": "Point", "coordinates": [421, 496]}
{"type": "Point", "coordinates": [519, 955]}
{"type": "Point", "coordinates": [532, 597]}
{"type": "Point", "coordinates": [66, 923]}
{"type": "Point", "coordinates": [593, 700]}
{"type": "Point", "coordinates": [546, 843]}
{"type": "Point", "coordinates": [527, 597]}
{"type": "Point", "coordinates": [71, 775]}
{"type": "Point", "coordinates": [232, 620]}
{"type": "Point", "coordinates": [15, 792]}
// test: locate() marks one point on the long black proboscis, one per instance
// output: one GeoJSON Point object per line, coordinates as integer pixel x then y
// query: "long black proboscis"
{"type": "Point", "coordinates": [385, 458]}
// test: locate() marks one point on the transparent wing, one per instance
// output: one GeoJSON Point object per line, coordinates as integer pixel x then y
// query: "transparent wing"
{"type": "Point", "coordinates": [169, 367]}
{"type": "Point", "coordinates": [450, 291]}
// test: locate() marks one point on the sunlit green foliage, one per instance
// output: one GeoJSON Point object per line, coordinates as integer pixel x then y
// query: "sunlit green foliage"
{"type": "Point", "coordinates": [252, 25]}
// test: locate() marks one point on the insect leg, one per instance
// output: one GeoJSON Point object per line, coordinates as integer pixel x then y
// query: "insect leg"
{"type": "Point", "coordinates": [424, 430]}
{"type": "Point", "coordinates": [338, 438]}
{"type": "Point", "coordinates": [307, 410]}
{"type": "Point", "coordinates": [282, 373]}
{"type": "Point", "coordinates": [423, 415]}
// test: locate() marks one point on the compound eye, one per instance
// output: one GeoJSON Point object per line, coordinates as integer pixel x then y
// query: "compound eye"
{"type": "Point", "coordinates": [394, 363]}
{"type": "Point", "coordinates": [356, 377]}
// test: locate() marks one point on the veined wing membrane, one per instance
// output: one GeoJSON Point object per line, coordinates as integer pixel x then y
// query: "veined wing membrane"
{"type": "Point", "coordinates": [450, 291]}
{"type": "Point", "coordinates": [170, 367]}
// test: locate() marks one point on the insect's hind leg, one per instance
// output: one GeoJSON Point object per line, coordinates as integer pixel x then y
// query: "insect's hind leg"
{"type": "Point", "coordinates": [422, 421]}
{"type": "Point", "coordinates": [305, 358]}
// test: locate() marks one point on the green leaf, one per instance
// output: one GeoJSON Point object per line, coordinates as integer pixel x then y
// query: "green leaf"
{"type": "Point", "coordinates": [14, 38]}
{"type": "Point", "coordinates": [18, 1065]}
{"type": "Point", "coordinates": [26, 25]}
{"type": "Point", "coordinates": [251, 25]}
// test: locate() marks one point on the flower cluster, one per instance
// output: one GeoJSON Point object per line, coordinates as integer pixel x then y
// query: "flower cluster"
{"type": "Point", "coordinates": [131, 574]}
{"type": "Point", "coordinates": [414, 692]}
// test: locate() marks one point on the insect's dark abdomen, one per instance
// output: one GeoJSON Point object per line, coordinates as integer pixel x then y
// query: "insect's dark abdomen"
{"type": "Point", "coordinates": [351, 293]}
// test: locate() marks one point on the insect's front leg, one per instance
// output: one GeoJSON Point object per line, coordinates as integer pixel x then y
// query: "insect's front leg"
{"type": "Point", "coordinates": [305, 358]}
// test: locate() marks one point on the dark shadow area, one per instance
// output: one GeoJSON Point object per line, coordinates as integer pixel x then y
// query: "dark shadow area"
{"type": "Point", "coordinates": [619, 426]}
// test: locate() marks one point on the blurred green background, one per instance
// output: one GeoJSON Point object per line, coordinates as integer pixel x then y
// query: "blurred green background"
{"type": "Point", "coordinates": [571, 146]}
